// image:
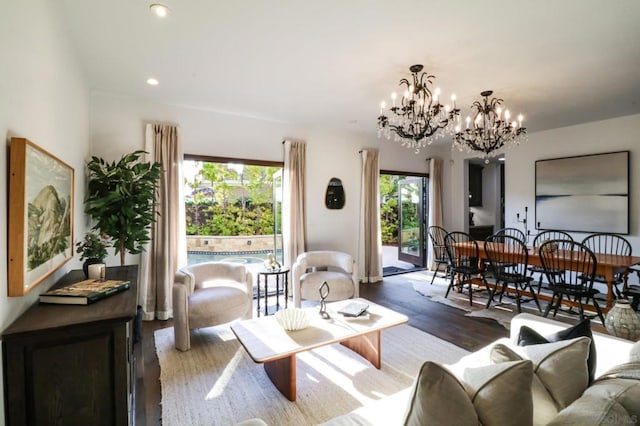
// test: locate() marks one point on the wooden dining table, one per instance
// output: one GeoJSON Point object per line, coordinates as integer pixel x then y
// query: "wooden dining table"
{"type": "Point", "coordinates": [608, 265]}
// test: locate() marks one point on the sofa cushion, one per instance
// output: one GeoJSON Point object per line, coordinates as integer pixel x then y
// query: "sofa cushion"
{"type": "Point", "coordinates": [229, 302]}
{"type": "Point", "coordinates": [560, 373]}
{"type": "Point", "coordinates": [485, 395]}
{"type": "Point", "coordinates": [528, 336]}
{"type": "Point", "coordinates": [612, 399]}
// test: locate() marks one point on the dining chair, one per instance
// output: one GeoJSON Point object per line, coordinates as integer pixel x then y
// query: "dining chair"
{"type": "Point", "coordinates": [437, 234]}
{"type": "Point", "coordinates": [609, 244]}
{"type": "Point", "coordinates": [576, 283]}
{"type": "Point", "coordinates": [465, 267]}
{"type": "Point", "coordinates": [512, 232]}
{"type": "Point", "coordinates": [508, 261]}
{"type": "Point", "coordinates": [633, 291]}
{"type": "Point", "coordinates": [537, 242]}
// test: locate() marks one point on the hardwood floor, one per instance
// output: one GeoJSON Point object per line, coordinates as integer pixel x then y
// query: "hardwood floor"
{"type": "Point", "coordinates": [439, 320]}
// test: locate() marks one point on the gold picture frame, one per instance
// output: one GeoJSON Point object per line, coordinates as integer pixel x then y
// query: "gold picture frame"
{"type": "Point", "coordinates": [41, 196]}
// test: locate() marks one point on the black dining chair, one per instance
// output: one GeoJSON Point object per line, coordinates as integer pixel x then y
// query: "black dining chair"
{"type": "Point", "coordinates": [508, 260]}
{"type": "Point", "coordinates": [465, 266]}
{"type": "Point", "coordinates": [576, 283]}
{"type": "Point", "coordinates": [609, 244]}
{"type": "Point", "coordinates": [537, 242]}
{"type": "Point", "coordinates": [437, 234]}
{"type": "Point", "coordinates": [512, 232]}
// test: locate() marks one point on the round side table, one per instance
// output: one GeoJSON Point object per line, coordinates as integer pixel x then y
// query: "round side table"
{"type": "Point", "coordinates": [281, 274]}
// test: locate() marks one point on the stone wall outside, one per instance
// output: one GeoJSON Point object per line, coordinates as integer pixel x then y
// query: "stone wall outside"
{"type": "Point", "coordinates": [218, 244]}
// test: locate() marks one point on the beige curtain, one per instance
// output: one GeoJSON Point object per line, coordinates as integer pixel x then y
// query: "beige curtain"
{"type": "Point", "coordinates": [167, 250]}
{"type": "Point", "coordinates": [435, 202]}
{"type": "Point", "coordinates": [370, 257]}
{"type": "Point", "coordinates": [294, 220]}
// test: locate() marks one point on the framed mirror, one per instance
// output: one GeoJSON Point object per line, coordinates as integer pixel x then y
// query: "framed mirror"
{"type": "Point", "coordinates": [334, 197]}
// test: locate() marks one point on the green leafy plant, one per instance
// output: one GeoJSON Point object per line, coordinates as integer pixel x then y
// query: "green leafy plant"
{"type": "Point", "coordinates": [121, 199]}
{"type": "Point", "coordinates": [93, 246]}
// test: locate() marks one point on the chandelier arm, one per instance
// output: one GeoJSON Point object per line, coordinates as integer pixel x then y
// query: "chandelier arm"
{"type": "Point", "coordinates": [477, 105]}
{"type": "Point", "coordinates": [474, 146]}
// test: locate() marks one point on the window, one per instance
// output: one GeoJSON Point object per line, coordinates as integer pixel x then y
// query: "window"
{"type": "Point", "coordinates": [232, 209]}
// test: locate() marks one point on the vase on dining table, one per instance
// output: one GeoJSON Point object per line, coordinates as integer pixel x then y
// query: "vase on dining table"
{"type": "Point", "coordinates": [622, 321]}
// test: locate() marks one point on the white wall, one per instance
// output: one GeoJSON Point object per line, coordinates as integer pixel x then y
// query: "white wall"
{"type": "Point", "coordinates": [117, 127]}
{"type": "Point", "coordinates": [619, 134]}
{"type": "Point", "coordinates": [44, 99]}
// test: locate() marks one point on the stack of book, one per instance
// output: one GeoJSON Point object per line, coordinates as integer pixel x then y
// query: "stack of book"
{"type": "Point", "coordinates": [84, 292]}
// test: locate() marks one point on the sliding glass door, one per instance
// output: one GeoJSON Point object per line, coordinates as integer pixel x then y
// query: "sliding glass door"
{"type": "Point", "coordinates": [412, 210]}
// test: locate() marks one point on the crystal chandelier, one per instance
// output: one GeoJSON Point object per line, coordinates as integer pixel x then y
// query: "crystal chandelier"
{"type": "Point", "coordinates": [490, 129]}
{"type": "Point", "coordinates": [419, 119]}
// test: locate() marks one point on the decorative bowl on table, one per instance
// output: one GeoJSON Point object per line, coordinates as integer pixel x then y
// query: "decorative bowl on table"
{"type": "Point", "coordinates": [293, 319]}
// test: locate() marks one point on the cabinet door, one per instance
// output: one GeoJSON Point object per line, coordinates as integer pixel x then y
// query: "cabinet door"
{"type": "Point", "coordinates": [78, 376]}
{"type": "Point", "coordinates": [475, 185]}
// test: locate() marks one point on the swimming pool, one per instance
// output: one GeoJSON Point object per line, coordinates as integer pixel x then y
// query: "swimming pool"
{"type": "Point", "coordinates": [244, 257]}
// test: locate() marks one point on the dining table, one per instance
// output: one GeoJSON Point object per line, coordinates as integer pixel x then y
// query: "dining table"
{"type": "Point", "coordinates": [607, 265]}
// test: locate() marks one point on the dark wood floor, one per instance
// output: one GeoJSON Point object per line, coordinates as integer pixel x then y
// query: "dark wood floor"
{"type": "Point", "coordinates": [439, 320]}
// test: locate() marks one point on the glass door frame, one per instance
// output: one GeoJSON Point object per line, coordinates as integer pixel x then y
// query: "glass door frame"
{"type": "Point", "coordinates": [425, 211]}
{"type": "Point", "coordinates": [419, 259]}
{"type": "Point", "coordinates": [277, 215]}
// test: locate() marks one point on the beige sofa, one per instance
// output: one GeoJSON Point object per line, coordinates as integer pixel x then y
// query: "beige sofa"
{"type": "Point", "coordinates": [610, 399]}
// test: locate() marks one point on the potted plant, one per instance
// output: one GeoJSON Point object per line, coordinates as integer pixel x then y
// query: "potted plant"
{"type": "Point", "coordinates": [121, 199]}
{"type": "Point", "coordinates": [92, 249]}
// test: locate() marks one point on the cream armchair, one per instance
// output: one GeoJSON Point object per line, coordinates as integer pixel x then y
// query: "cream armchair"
{"type": "Point", "coordinates": [208, 294]}
{"type": "Point", "coordinates": [310, 269]}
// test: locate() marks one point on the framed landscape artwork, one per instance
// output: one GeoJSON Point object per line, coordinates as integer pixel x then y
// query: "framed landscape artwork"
{"type": "Point", "coordinates": [40, 215]}
{"type": "Point", "coordinates": [589, 193]}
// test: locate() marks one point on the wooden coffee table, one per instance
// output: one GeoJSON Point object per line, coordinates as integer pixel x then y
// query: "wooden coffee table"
{"type": "Point", "coordinates": [268, 343]}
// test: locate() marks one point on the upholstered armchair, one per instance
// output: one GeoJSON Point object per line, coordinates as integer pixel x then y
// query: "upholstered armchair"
{"type": "Point", "coordinates": [312, 268]}
{"type": "Point", "coordinates": [208, 294]}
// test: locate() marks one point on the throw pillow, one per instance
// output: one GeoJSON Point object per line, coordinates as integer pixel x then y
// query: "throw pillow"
{"type": "Point", "coordinates": [560, 373]}
{"type": "Point", "coordinates": [486, 395]}
{"type": "Point", "coordinates": [528, 336]}
{"type": "Point", "coordinates": [611, 399]}
{"type": "Point", "coordinates": [635, 352]}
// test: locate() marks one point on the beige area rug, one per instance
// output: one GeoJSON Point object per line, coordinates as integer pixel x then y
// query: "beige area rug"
{"type": "Point", "coordinates": [216, 383]}
{"type": "Point", "coordinates": [502, 313]}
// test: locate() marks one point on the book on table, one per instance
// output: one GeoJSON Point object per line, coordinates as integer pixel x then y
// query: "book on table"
{"type": "Point", "coordinates": [354, 309]}
{"type": "Point", "coordinates": [84, 292]}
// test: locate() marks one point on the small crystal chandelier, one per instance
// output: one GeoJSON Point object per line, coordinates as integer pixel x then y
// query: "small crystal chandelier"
{"type": "Point", "coordinates": [420, 118]}
{"type": "Point", "coordinates": [490, 129]}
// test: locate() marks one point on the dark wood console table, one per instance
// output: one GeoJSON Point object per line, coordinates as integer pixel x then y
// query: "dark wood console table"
{"type": "Point", "coordinates": [73, 364]}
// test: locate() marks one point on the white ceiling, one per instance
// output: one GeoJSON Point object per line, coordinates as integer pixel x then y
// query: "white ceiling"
{"type": "Point", "coordinates": [331, 62]}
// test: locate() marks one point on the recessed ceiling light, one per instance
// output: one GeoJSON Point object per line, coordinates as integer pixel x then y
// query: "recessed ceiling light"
{"type": "Point", "coordinates": [500, 158]}
{"type": "Point", "coordinates": [152, 81]}
{"type": "Point", "coordinates": [160, 10]}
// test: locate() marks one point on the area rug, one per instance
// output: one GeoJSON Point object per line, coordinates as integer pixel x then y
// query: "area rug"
{"type": "Point", "coordinates": [216, 383]}
{"type": "Point", "coordinates": [500, 312]}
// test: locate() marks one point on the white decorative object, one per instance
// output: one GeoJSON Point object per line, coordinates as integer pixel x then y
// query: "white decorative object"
{"type": "Point", "coordinates": [97, 271]}
{"type": "Point", "coordinates": [293, 319]}
{"type": "Point", "coordinates": [623, 321]}
{"type": "Point", "coordinates": [271, 264]}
